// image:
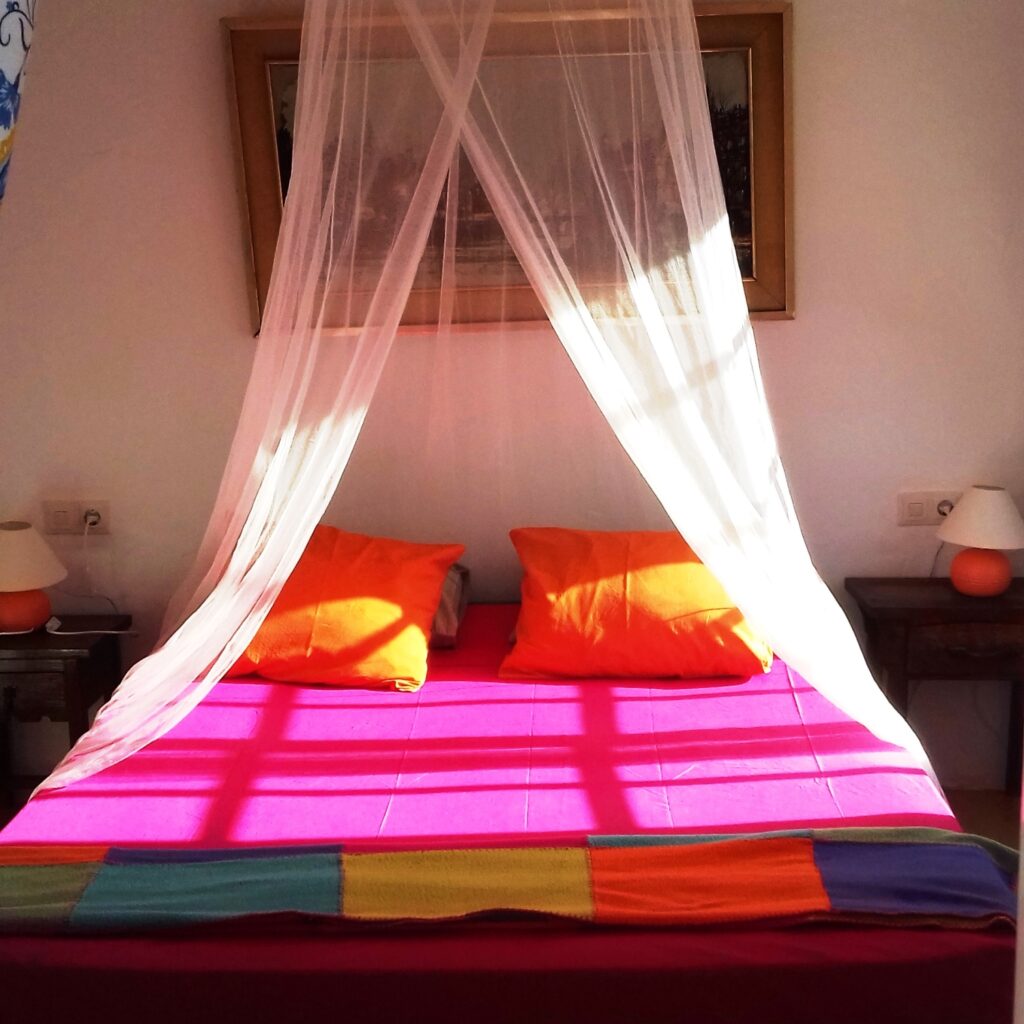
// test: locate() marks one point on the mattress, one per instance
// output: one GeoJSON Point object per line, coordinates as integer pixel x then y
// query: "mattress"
{"type": "Point", "coordinates": [473, 760]}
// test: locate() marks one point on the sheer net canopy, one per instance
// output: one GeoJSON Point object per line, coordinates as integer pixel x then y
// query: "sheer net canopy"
{"type": "Point", "coordinates": [588, 132]}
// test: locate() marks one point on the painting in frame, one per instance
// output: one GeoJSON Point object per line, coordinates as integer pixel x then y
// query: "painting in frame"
{"type": "Point", "coordinates": [744, 47]}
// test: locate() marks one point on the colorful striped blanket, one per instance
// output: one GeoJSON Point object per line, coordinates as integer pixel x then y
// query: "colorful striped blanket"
{"type": "Point", "coordinates": [914, 876]}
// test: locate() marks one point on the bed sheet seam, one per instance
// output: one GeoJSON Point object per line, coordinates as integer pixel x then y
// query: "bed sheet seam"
{"type": "Point", "coordinates": [661, 763]}
{"type": "Point", "coordinates": [401, 767]}
{"type": "Point", "coordinates": [810, 742]}
{"type": "Point", "coordinates": [529, 759]}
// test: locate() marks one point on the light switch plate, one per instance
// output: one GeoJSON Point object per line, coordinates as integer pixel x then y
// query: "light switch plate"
{"type": "Point", "coordinates": [62, 516]}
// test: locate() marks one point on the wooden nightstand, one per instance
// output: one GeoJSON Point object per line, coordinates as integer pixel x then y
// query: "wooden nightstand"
{"type": "Point", "coordinates": [57, 677]}
{"type": "Point", "coordinates": [924, 629]}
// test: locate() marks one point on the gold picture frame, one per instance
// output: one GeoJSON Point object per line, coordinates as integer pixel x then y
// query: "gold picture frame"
{"type": "Point", "coordinates": [754, 33]}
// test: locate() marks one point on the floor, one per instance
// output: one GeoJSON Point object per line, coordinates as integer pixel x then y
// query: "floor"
{"type": "Point", "coordinates": [991, 813]}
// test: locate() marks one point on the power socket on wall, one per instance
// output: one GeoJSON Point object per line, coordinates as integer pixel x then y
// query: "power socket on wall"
{"type": "Point", "coordinates": [924, 508]}
{"type": "Point", "coordinates": [74, 516]}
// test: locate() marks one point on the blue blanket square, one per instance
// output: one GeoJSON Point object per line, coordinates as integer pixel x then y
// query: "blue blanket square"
{"type": "Point", "coordinates": [913, 878]}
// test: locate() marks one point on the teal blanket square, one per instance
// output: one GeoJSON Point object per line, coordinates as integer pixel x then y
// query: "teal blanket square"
{"type": "Point", "coordinates": [134, 895]}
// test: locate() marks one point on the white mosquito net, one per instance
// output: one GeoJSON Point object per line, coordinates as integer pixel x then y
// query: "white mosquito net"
{"type": "Point", "coordinates": [589, 133]}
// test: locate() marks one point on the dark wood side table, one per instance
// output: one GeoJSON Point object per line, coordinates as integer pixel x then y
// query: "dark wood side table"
{"type": "Point", "coordinates": [924, 629]}
{"type": "Point", "coordinates": [58, 677]}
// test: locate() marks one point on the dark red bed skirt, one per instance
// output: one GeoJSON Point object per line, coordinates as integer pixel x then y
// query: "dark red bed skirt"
{"type": "Point", "coordinates": [517, 973]}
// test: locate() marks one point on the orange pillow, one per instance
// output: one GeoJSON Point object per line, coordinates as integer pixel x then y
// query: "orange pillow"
{"type": "Point", "coordinates": [355, 610]}
{"type": "Point", "coordinates": [624, 604]}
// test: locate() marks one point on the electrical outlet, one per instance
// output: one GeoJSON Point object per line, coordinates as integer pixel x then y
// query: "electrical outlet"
{"type": "Point", "coordinates": [70, 516]}
{"type": "Point", "coordinates": [924, 508]}
{"type": "Point", "coordinates": [95, 514]}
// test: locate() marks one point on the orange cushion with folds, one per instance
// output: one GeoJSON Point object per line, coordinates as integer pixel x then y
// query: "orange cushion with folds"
{"type": "Point", "coordinates": [356, 610]}
{"type": "Point", "coordinates": [625, 604]}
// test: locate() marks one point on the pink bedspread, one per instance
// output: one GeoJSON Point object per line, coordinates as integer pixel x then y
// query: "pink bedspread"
{"type": "Point", "coordinates": [472, 759]}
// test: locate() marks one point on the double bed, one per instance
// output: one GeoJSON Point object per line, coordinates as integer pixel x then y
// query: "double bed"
{"type": "Point", "coordinates": [480, 764]}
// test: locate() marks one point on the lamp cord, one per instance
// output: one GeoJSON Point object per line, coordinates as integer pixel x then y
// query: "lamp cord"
{"type": "Point", "coordinates": [93, 594]}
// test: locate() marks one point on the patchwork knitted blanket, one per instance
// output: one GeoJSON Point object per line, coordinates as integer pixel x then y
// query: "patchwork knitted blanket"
{"type": "Point", "coordinates": [907, 876]}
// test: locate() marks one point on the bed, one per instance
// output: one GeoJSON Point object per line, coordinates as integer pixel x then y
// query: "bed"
{"type": "Point", "coordinates": [481, 764]}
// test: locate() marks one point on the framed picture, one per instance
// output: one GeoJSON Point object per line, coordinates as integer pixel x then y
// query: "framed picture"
{"type": "Point", "coordinates": [744, 50]}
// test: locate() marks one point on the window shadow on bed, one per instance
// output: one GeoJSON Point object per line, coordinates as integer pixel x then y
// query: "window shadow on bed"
{"type": "Point", "coordinates": [265, 762]}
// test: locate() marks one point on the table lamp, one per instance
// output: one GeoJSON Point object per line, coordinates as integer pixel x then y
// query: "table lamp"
{"type": "Point", "coordinates": [986, 522]}
{"type": "Point", "coordinates": [26, 565]}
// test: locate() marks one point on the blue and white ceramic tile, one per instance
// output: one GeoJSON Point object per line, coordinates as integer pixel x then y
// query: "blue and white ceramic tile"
{"type": "Point", "coordinates": [17, 20]}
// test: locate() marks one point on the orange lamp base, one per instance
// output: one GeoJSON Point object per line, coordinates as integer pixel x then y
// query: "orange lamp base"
{"type": "Point", "coordinates": [22, 610]}
{"type": "Point", "coordinates": [980, 572]}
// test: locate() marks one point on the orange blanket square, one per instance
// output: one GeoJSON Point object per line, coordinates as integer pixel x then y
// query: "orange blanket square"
{"type": "Point", "coordinates": [23, 856]}
{"type": "Point", "coordinates": [697, 883]}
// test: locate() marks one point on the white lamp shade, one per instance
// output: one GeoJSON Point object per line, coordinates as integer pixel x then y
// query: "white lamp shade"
{"type": "Point", "coordinates": [26, 561]}
{"type": "Point", "coordinates": [984, 517]}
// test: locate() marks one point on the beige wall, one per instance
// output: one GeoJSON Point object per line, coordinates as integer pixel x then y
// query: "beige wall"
{"type": "Point", "coordinates": [125, 333]}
